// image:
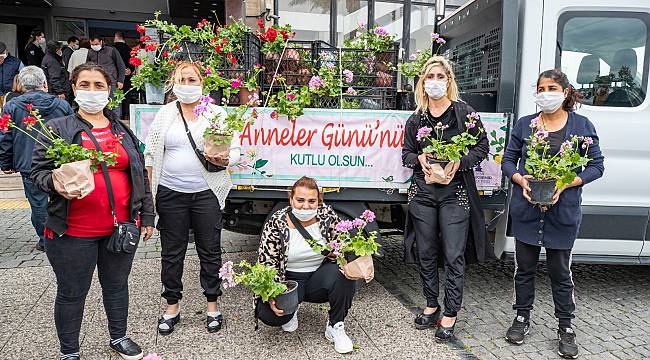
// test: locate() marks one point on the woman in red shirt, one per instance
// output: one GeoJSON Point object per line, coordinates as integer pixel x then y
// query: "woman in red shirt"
{"type": "Point", "coordinates": [78, 230]}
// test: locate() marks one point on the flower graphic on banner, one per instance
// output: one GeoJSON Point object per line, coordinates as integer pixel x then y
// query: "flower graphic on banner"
{"type": "Point", "coordinates": [252, 162]}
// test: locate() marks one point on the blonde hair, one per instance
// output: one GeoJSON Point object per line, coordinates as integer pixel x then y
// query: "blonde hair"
{"type": "Point", "coordinates": [421, 97]}
{"type": "Point", "coordinates": [176, 74]}
{"type": "Point", "coordinates": [17, 87]}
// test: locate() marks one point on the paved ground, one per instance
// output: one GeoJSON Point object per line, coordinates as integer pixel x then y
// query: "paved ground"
{"type": "Point", "coordinates": [613, 315]}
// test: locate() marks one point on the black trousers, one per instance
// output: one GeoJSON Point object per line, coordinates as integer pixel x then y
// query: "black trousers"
{"type": "Point", "coordinates": [177, 213]}
{"type": "Point", "coordinates": [558, 263]}
{"type": "Point", "coordinates": [441, 222]}
{"type": "Point", "coordinates": [73, 261]}
{"type": "Point", "coordinates": [326, 284]}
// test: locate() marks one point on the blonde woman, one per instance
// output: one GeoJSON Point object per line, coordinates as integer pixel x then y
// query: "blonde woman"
{"type": "Point", "coordinates": [444, 221]}
{"type": "Point", "coordinates": [187, 194]}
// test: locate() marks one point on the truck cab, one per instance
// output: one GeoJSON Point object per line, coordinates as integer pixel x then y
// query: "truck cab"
{"type": "Point", "coordinates": [500, 47]}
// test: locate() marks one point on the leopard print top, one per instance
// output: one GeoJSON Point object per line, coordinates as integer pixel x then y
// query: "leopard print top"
{"type": "Point", "coordinates": [275, 237]}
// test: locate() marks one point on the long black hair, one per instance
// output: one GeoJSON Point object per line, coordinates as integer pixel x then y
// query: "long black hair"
{"type": "Point", "coordinates": [573, 97]}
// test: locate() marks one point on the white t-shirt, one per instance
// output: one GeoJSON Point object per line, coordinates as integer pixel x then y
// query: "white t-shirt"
{"type": "Point", "coordinates": [77, 58]}
{"type": "Point", "coordinates": [181, 170]}
{"type": "Point", "coordinates": [300, 256]}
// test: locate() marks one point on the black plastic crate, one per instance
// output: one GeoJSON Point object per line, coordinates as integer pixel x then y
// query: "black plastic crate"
{"type": "Point", "coordinates": [372, 99]}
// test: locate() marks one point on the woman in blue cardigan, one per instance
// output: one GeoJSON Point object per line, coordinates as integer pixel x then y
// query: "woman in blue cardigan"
{"type": "Point", "coordinates": [554, 228]}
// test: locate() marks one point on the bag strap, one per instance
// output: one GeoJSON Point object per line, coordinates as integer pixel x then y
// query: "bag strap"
{"type": "Point", "coordinates": [305, 234]}
{"type": "Point", "coordinates": [188, 132]}
{"type": "Point", "coordinates": [107, 179]}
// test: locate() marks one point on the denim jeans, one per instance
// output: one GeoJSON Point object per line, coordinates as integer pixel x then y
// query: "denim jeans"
{"type": "Point", "coordinates": [38, 202]}
{"type": "Point", "coordinates": [73, 260]}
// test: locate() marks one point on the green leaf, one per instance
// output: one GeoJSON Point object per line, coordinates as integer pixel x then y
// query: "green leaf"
{"type": "Point", "coordinates": [260, 163]}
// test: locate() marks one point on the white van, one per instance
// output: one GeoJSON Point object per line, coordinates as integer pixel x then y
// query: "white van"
{"type": "Point", "coordinates": [500, 47]}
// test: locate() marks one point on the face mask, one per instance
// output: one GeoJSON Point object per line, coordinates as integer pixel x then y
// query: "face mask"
{"type": "Point", "coordinates": [304, 214]}
{"type": "Point", "coordinates": [435, 88]}
{"type": "Point", "coordinates": [187, 94]}
{"type": "Point", "coordinates": [549, 101]}
{"type": "Point", "coordinates": [91, 102]}
{"type": "Point", "coordinates": [60, 53]}
{"type": "Point", "coordinates": [3, 55]}
{"type": "Point", "coordinates": [96, 47]}
{"type": "Point", "coordinates": [41, 41]}
{"type": "Point", "coordinates": [75, 47]}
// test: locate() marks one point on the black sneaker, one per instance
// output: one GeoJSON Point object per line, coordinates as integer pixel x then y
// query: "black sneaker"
{"type": "Point", "coordinates": [425, 321]}
{"type": "Point", "coordinates": [127, 349]}
{"type": "Point", "coordinates": [518, 331]}
{"type": "Point", "coordinates": [568, 348]}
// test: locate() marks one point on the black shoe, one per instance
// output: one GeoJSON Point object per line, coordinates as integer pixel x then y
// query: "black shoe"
{"type": "Point", "coordinates": [568, 348]}
{"type": "Point", "coordinates": [518, 331]}
{"type": "Point", "coordinates": [213, 323]}
{"type": "Point", "coordinates": [39, 247]}
{"type": "Point", "coordinates": [69, 357]}
{"type": "Point", "coordinates": [424, 321]}
{"type": "Point", "coordinates": [444, 334]}
{"type": "Point", "coordinates": [127, 349]}
{"type": "Point", "coordinates": [166, 330]}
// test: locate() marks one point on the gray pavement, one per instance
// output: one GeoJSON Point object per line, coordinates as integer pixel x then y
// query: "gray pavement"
{"type": "Point", "coordinates": [613, 310]}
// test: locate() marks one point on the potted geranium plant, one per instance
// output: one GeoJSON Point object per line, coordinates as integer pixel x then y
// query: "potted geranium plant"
{"type": "Point", "coordinates": [353, 249]}
{"type": "Point", "coordinates": [249, 87]}
{"type": "Point", "coordinates": [443, 154]}
{"type": "Point", "coordinates": [261, 280]}
{"type": "Point", "coordinates": [74, 164]}
{"type": "Point", "coordinates": [289, 101]}
{"type": "Point", "coordinates": [552, 171]}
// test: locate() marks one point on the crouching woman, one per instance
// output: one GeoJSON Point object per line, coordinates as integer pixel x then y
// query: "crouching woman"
{"type": "Point", "coordinates": [318, 276]}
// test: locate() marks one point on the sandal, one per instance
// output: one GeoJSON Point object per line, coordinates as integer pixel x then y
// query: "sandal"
{"type": "Point", "coordinates": [213, 323]}
{"type": "Point", "coordinates": [425, 321]}
{"type": "Point", "coordinates": [166, 326]}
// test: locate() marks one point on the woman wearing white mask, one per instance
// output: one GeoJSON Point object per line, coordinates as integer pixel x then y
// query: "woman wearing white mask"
{"type": "Point", "coordinates": [555, 228]}
{"type": "Point", "coordinates": [77, 230]}
{"type": "Point", "coordinates": [444, 221]}
{"type": "Point", "coordinates": [187, 194]}
{"type": "Point", "coordinates": [319, 278]}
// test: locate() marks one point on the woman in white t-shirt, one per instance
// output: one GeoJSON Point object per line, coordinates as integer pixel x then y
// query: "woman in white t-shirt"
{"type": "Point", "coordinates": [319, 278]}
{"type": "Point", "coordinates": [186, 194]}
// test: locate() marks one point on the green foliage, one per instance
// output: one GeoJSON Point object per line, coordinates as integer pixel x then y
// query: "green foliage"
{"type": "Point", "coordinates": [260, 279]}
{"type": "Point", "coordinates": [459, 145]}
{"type": "Point", "coordinates": [289, 101]}
{"type": "Point", "coordinates": [376, 39]}
{"type": "Point", "coordinates": [414, 67]}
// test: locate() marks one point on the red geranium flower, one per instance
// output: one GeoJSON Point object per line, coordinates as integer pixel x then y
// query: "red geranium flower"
{"type": "Point", "coordinates": [29, 107]}
{"type": "Point", "coordinates": [150, 47]}
{"type": "Point", "coordinates": [271, 34]}
{"type": "Point", "coordinates": [5, 121]}
{"type": "Point", "coordinates": [141, 29]}
{"type": "Point", "coordinates": [145, 38]}
{"type": "Point", "coordinates": [260, 23]}
{"type": "Point", "coordinates": [29, 121]}
{"type": "Point", "coordinates": [224, 41]}
{"type": "Point", "coordinates": [285, 35]}
{"type": "Point", "coordinates": [229, 55]}
{"type": "Point", "coordinates": [177, 47]}
{"type": "Point", "coordinates": [218, 48]}
{"type": "Point", "coordinates": [135, 61]}
{"type": "Point", "coordinates": [165, 53]}
{"type": "Point", "coordinates": [233, 60]}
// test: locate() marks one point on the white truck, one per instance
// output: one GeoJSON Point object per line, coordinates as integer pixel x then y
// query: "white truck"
{"type": "Point", "coordinates": [499, 47]}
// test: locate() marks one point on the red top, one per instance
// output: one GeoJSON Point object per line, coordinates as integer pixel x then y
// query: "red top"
{"type": "Point", "coordinates": [91, 216]}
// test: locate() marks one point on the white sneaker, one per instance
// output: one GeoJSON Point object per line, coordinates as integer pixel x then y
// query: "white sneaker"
{"type": "Point", "coordinates": [292, 325]}
{"type": "Point", "coordinates": [337, 335]}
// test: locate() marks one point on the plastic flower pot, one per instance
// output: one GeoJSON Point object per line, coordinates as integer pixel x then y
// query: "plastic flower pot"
{"type": "Point", "coordinates": [541, 191]}
{"type": "Point", "coordinates": [244, 94]}
{"type": "Point", "coordinates": [442, 163]}
{"type": "Point", "coordinates": [288, 301]}
{"type": "Point", "coordinates": [154, 94]}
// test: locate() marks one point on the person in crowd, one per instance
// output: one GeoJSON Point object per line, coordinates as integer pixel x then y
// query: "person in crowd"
{"type": "Point", "coordinates": [125, 53]}
{"type": "Point", "coordinates": [57, 76]}
{"type": "Point", "coordinates": [16, 148]}
{"type": "Point", "coordinates": [186, 194]}
{"type": "Point", "coordinates": [35, 47]}
{"type": "Point", "coordinates": [79, 56]}
{"type": "Point", "coordinates": [73, 44]}
{"type": "Point", "coordinates": [553, 228]}
{"type": "Point", "coordinates": [78, 229]}
{"type": "Point", "coordinates": [108, 57]}
{"type": "Point", "coordinates": [319, 278]}
{"type": "Point", "coordinates": [9, 68]}
{"type": "Point", "coordinates": [444, 222]}
{"type": "Point", "coordinates": [15, 92]}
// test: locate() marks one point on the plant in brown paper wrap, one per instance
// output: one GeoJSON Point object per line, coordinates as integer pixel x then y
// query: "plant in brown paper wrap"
{"type": "Point", "coordinates": [353, 249]}
{"type": "Point", "coordinates": [74, 164]}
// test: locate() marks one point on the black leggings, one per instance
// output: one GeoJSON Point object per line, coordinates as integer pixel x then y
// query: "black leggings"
{"type": "Point", "coordinates": [326, 284]}
{"type": "Point", "coordinates": [178, 212]}
{"type": "Point", "coordinates": [73, 261]}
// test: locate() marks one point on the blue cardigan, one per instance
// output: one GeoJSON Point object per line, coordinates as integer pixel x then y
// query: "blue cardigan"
{"type": "Point", "coordinates": [558, 227]}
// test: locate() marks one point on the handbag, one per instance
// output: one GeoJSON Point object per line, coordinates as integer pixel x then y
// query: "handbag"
{"type": "Point", "coordinates": [126, 234]}
{"type": "Point", "coordinates": [210, 167]}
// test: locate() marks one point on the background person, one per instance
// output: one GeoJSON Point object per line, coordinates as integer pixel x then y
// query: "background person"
{"type": "Point", "coordinates": [187, 195]}
{"type": "Point", "coordinates": [78, 230]}
{"type": "Point", "coordinates": [79, 56]}
{"type": "Point", "coordinates": [16, 148]}
{"type": "Point", "coordinates": [557, 228]}
{"type": "Point", "coordinates": [109, 58]}
{"type": "Point", "coordinates": [35, 47]}
{"type": "Point", "coordinates": [9, 68]}
{"type": "Point", "coordinates": [443, 221]}
{"type": "Point", "coordinates": [58, 83]}
{"type": "Point", "coordinates": [73, 44]}
{"type": "Point", "coordinates": [320, 280]}
{"type": "Point", "coordinates": [15, 92]}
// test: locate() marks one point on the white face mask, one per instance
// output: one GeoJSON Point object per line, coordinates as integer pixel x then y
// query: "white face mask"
{"type": "Point", "coordinates": [187, 94]}
{"type": "Point", "coordinates": [96, 47]}
{"type": "Point", "coordinates": [435, 88]}
{"type": "Point", "coordinates": [42, 40]}
{"type": "Point", "coordinates": [3, 55]}
{"type": "Point", "coordinates": [549, 101]}
{"type": "Point", "coordinates": [75, 47]}
{"type": "Point", "coordinates": [91, 102]}
{"type": "Point", "coordinates": [304, 214]}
